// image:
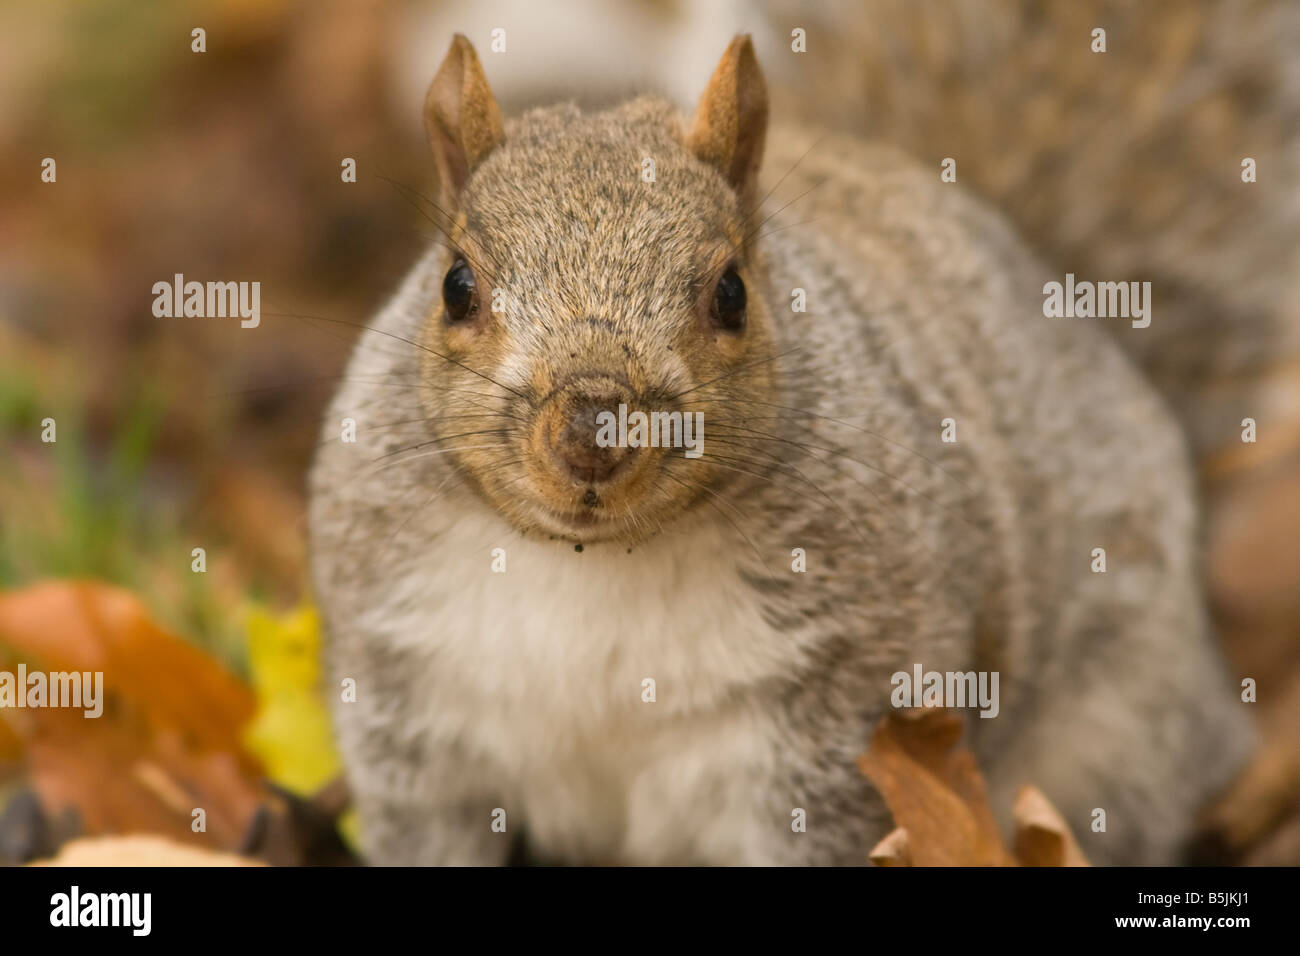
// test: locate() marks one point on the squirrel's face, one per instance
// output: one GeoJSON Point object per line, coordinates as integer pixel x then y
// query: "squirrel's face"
{"type": "Point", "coordinates": [601, 324]}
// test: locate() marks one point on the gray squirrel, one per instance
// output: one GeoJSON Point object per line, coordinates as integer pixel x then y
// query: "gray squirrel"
{"type": "Point", "coordinates": [633, 655]}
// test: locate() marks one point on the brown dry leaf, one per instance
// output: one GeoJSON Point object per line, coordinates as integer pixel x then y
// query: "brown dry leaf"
{"type": "Point", "coordinates": [940, 806]}
{"type": "Point", "coordinates": [1257, 804]}
{"type": "Point", "coordinates": [84, 626]}
{"type": "Point", "coordinates": [934, 790]}
{"type": "Point", "coordinates": [1257, 818]}
{"type": "Point", "coordinates": [894, 850]}
{"type": "Point", "coordinates": [169, 739]}
{"type": "Point", "coordinates": [1043, 838]}
{"type": "Point", "coordinates": [140, 851]}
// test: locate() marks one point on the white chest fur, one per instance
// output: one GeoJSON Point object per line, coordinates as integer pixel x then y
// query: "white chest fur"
{"type": "Point", "coordinates": [600, 684]}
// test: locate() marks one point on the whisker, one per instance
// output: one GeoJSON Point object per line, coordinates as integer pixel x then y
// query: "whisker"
{"type": "Point", "coordinates": [441, 438]}
{"type": "Point", "coordinates": [416, 421]}
{"type": "Point", "coordinates": [405, 521]}
{"type": "Point", "coordinates": [392, 335]}
{"type": "Point", "coordinates": [426, 454]}
{"type": "Point", "coordinates": [766, 196]}
{"type": "Point", "coordinates": [857, 428]}
{"type": "Point", "coordinates": [758, 206]}
{"type": "Point", "coordinates": [714, 456]}
{"type": "Point", "coordinates": [758, 554]}
{"type": "Point", "coordinates": [401, 191]}
{"type": "Point", "coordinates": [767, 219]}
{"type": "Point", "coordinates": [790, 225]}
{"type": "Point", "coordinates": [735, 371]}
{"type": "Point", "coordinates": [758, 436]}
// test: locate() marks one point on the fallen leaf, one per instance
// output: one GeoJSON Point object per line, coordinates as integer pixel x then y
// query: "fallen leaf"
{"type": "Point", "coordinates": [291, 731]}
{"type": "Point", "coordinates": [168, 742]}
{"type": "Point", "coordinates": [140, 851]}
{"type": "Point", "coordinates": [893, 850]}
{"type": "Point", "coordinates": [940, 806]}
{"type": "Point", "coordinates": [1043, 838]}
{"type": "Point", "coordinates": [1262, 804]}
{"type": "Point", "coordinates": [171, 685]}
{"type": "Point", "coordinates": [934, 791]}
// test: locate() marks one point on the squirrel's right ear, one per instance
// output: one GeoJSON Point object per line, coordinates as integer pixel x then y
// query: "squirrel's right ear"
{"type": "Point", "coordinates": [461, 116]}
{"type": "Point", "coordinates": [730, 124]}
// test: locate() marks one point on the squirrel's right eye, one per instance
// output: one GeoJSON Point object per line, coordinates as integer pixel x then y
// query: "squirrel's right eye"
{"type": "Point", "coordinates": [729, 301]}
{"type": "Point", "coordinates": [458, 293]}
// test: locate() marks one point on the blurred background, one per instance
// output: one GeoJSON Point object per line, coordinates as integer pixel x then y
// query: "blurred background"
{"type": "Point", "coordinates": [176, 434]}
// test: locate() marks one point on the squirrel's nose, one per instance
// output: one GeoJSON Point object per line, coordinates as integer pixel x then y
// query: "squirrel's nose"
{"type": "Point", "coordinates": [580, 453]}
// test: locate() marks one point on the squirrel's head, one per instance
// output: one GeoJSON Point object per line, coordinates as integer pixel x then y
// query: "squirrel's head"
{"type": "Point", "coordinates": [599, 299]}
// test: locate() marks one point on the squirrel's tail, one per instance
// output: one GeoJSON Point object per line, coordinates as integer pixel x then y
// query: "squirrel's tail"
{"type": "Point", "coordinates": [1164, 149]}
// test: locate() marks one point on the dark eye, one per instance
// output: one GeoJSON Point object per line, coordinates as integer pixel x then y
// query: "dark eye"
{"type": "Point", "coordinates": [459, 293]}
{"type": "Point", "coordinates": [729, 301]}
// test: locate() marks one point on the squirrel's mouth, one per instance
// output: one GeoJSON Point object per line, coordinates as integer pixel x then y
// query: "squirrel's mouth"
{"type": "Point", "coordinates": [595, 511]}
{"type": "Point", "coordinates": [629, 509]}
{"type": "Point", "coordinates": [580, 519]}
{"type": "Point", "coordinates": [588, 524]}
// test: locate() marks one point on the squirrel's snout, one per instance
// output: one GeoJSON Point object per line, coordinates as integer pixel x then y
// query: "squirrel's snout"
{"type": "Point", "coordinates": [582, 448]}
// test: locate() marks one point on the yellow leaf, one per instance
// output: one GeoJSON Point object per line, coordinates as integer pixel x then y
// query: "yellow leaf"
{"type": "Point", "coordinates": [291, 730]}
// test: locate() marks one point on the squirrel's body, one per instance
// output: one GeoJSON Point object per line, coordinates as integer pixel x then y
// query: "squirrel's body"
{"type": "Point", "coordinates": [522, 687]}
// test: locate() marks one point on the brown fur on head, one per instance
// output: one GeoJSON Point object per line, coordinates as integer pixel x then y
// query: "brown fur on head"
{"type": "Point", "coordinates": [573, 283]}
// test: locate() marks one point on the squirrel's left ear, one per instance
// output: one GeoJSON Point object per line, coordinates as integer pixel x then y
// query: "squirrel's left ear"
{"type": "Point", "coordinates": [461, 116]}
{"type": "Point", "coordinates": [730, 122]}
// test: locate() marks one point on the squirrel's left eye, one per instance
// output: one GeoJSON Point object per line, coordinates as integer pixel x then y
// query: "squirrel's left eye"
{"type": "Point", "coordinates": [729, 301]}
{"type": "Point", "coordinates": [458, 293]}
